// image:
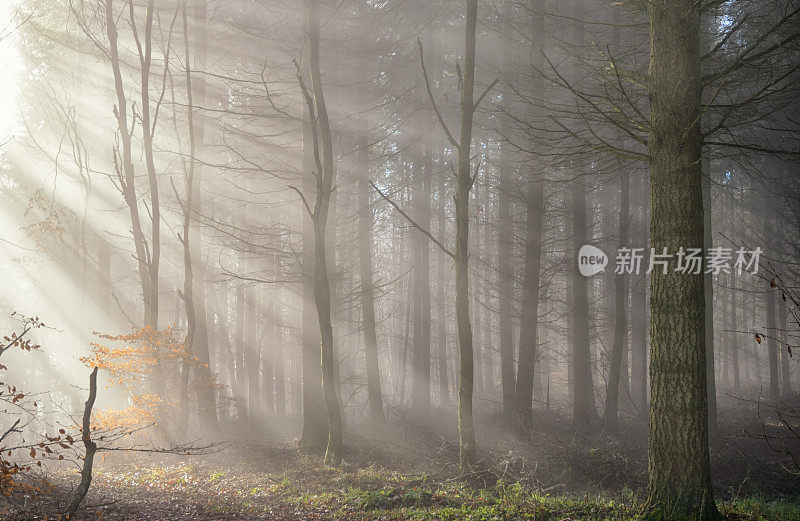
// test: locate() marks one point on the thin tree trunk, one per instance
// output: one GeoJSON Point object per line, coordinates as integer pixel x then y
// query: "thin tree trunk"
{"type": "Point", "coordinates": [530, 301]}
{"type": "Point", "coordinates": [421, 352]}
{"type": "Point", "coordinates": [708, 289]}
{"type": "Point", "coordinates": [467, 448]}
{"type": "Point", "coordinates": [441, 322]}
{"type": "Point", "coordinates": [89, 446]}
{"type": "Point", "coordinates": [315, 428]}
{"type": "Point", "coordinates": [270, 339]}
{"type": "Point", "coordinates": [322, 290]}
{"type": "Point", "coordinates": [772, 347]}
{"type": "Point", "coordinates": [639, 316]}
{"type": "Point", "coordinates": [734, 337]}
{"type": "Point", "coordinates": [365, 245]}
{"type": "Point", "coordinates": [620, 313]}
{"type": "Point", "coordinates": [505, 284]}
{"type": "Point", "coordinates": [583, 397]}
{"type": "Point", "coordinates": [241, 345]}
{"type": "Point", "coordinates": [786, 386]}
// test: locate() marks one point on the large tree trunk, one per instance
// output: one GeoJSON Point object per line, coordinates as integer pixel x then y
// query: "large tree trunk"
{"type": "Point", "coordinates": [680, 475]}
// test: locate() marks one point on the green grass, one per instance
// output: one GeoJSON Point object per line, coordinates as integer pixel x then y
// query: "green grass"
{"type": "Point", "coordinates": [415, 499]}
{"type": "Point", "coordinates": [353, 493]}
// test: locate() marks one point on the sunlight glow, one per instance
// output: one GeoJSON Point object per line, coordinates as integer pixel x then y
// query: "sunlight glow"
{"type": "Point", "coordinates": [10, 65]}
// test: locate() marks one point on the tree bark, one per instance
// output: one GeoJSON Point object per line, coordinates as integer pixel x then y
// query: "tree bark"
{"type": "Point", "coordinates": [620, 314]}
{"type": "Point", "coordinates": [708, 289]}
{"type": "Point", "coordinates": [89, 446]}
{"type": "Point", "coordinates": [315, 428]}
{"type": "Point", "coordinates": [786, 386]}
{"type": "Point", "coordinates": [680, 475]}
{"type": "Point", "coordinates": [534, 205]}
{"type": "Point", "coordinates": [505, 246]}
{"type": "Point", "coordinates": [772, 347]}
{"type": "Point", "coordinates": [467, 448]}
{"type": "Point", "coordinates": [374, 392]}
{"type": "Point", "coordinates": [638, 283]}
{"type": "Point", "coordinates": [734, 340]}
{"type": "Point", "coordinates": [421, 352]}
{"type": "Point", "coordinates": [322, 291]}
{"type": "Point", "coordinates": [530, 301]}
{"type": "Point", "coordinates": [441, 315]}
{"type": "Point", "coordinates": [583, 395]}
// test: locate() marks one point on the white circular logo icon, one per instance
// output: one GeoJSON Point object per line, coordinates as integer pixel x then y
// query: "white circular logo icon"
{"type": "Point", "coordinates": [591, 260]}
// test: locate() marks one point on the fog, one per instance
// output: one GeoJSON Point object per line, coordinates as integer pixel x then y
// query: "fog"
{"type": "Point", "coordinates": [434, 238]}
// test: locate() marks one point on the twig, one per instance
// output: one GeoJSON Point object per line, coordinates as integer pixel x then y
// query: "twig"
{"type": "Point", "coordinates": [413, 223]}
{"type": "Point", "coordinates": [450, 137]}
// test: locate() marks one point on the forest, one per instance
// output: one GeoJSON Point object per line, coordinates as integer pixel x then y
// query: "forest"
{"type": "Point", "coordinates": [400, 260]}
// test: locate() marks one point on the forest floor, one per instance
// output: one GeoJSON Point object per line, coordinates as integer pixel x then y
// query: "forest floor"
{"type": "Point", "coordinates": [402, 471]}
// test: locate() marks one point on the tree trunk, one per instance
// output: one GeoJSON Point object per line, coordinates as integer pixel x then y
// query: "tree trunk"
{"type": "Point", "coordinates": [322, 291]}
{"type": "Point", "coordinates": [772, 347]}
{"type": "Point", "coordinates": [620, 313]}
{"type": "Point", "coordinates": [466, 427]}
{"type": "Point", "coordinates": [315, 428]}
{"type": "Point", "coordinates": [583, 396]}
{"type": "Point", "coordinates": [365, 245]}
{"type": "Point", "coordinates": [196, 342]}
{"type": "Point", "coordinates": [278, 360]}
{"type": "Point", "coordinates": [708, 289]}
{"type": "Point", "coordinates": [505, 246]}
{"type": "Point", "coordinates": [441, 315]}
{"type": "Point", "coordinates": [477, 309]}
{"type": "Point", "coordinates": [530, 301]}
{"type": "Point", "coordinates": [89, 446]}
{"type": "Point", "coordinates": [270, 339]}
{"type": "Point", "coordinates": [734, 337]}
{"type": "Point", "coordinates": [421, 352]}
{"type": "Point", "coordinates": [786, 386]}
{"type": "Point", "coordinates": [534, 205]}
{"type": "Point", "coordinates": [240, 340]}
{"type": "Point", "coordinates": [680, 475]}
